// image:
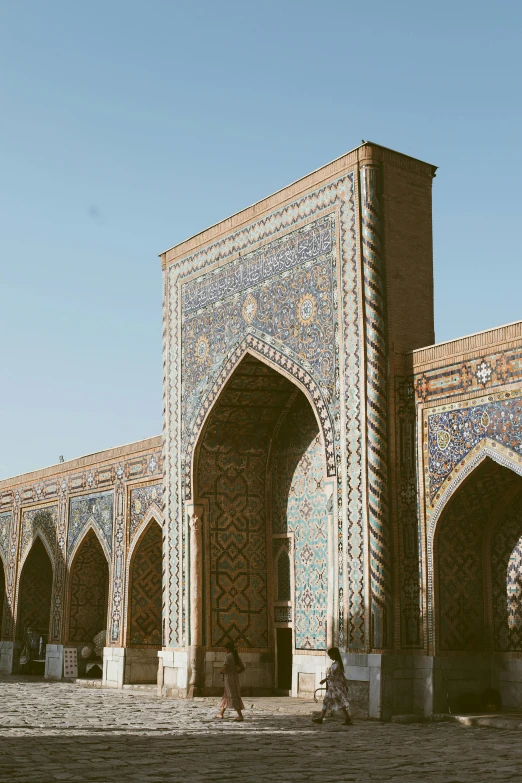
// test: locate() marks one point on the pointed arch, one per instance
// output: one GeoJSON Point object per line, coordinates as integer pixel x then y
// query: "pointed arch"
{"type": "Point", "coordinates": [37, 534]}
{"type": "Point", "coordinates": [87, 588]}
{"type": "Point", "coordinates": [283, 574]}
{"type": "Point", "coordinates": [90, 527]}
{"type": "Point", "coordinates": [278, 360]}
{"type": "Point", "coordinates": [486, 448]}
{"type": "Point", "coordinates": [459, 548]}
{"type": "Point", "coordinates": [34, 589]}
{"type": "Point", "coordinates": [144, 592]}
{"type": "Point", "coordinates": [260, 423]}
{"type": "Point", "coordinates": [153, 514]}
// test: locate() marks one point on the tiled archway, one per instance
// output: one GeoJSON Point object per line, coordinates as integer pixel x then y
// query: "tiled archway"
{"type": "Point", "coordinates": [145, 589]}
{"type": "Point", "coordinates": [36, 584]}
{"type": "Point", "coordinates": [88, 591]}
{"type": "Point", "coordinates": [476, 528]}
{"type": "Point", "coordinates": [261, 473]}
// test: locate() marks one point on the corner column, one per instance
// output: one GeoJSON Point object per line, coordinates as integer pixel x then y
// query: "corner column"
{"type": "Point", "coordinates": [331, 611]}
{"type": "Point", "coordinates": [196, 651]}
{"type": "Point", "coordinates": [114, 653]}
{"type": "Point", "coordinates": [9, 647]}
{"type": "Point", "coordinates": [381, 607]}
{"type": "Point", "coordinates": [54, 650]}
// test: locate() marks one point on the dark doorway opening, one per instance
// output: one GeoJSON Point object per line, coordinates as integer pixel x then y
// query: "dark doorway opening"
{"type": "Point", "coordinates": [34, 613]}
{"type": "Point", "coordinates": [284, 658]}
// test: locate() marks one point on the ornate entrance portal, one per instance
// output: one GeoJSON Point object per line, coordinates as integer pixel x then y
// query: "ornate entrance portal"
{"type": "Point", "coordinates": [260, 479]}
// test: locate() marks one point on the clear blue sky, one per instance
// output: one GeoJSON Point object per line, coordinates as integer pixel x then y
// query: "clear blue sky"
{"type": "Point", "coordinates": [126, 127]}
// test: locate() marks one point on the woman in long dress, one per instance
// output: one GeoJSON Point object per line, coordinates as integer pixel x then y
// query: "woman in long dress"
{"type": "Point", "coordinates": [336, 697]}
{"type": "Point", "coordinates": [232, 668]}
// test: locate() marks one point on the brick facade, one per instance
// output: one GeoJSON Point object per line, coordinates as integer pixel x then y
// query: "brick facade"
{"type": "Point", "coordinates": [313, 305]}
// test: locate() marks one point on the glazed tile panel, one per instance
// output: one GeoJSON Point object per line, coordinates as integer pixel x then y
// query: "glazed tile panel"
{"type": "Point", "coordinates": [5, 526]}
{"type": "Point", "coordinates": [494, 369]}
{"type": "Point", "coordinates": [141, 500]}
{"type": "Point", "coordinates": [452, 434]}
{"type": "Point", "coordinates": [42, 521]}
{"type": "Point", "coordinates": [290, 303]}
{"type": "Point", "coordinates": [96, 509]}
{"type": "Point", "coordinates": [255, 268]}
{"type": "Point", "coordinates": [299, 505]}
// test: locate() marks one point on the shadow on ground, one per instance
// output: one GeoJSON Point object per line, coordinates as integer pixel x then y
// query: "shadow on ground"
{"type": "Point", "coordinates": [264, 748]}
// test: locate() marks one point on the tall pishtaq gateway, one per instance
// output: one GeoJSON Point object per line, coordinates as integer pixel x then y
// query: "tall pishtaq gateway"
{"type": "Point", "coordinates": [327, 476]}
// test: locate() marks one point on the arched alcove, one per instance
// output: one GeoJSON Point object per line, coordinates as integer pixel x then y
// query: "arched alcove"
{"type": "Point", "coordinates": [35, 590]}
{"type": "Point", "coordinates": [260, 474]}
{"type": "Point", "coordinates": [88, 591]}
{"type": "Point", "coordinates": [462, 556]}
{"type": "Point", "coordinates": [283, 592]}
{"type": "Point", "coordinates": [478, 584]}
{"type": "Point", "coordinates": [145, 589]}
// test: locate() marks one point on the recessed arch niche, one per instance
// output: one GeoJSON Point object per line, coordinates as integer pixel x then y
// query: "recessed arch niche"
{"type": "Point", "coordinates": [260, 470]}
{"type": "Point", "coordinates": [35, 591]}
{"type": "Point", "coordinates": [88, 591]}
{"type": "Point", "coordinates": [478, 564]}
{"type": "Point", "coordinates": [145, 589]}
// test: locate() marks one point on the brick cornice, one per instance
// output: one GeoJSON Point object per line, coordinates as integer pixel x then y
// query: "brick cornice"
{"type": "Point", "coordinates": [470, 347]}
{"type": "Point", "coordinates": [98, 458]}
{"type": "Point", "coordinates": [366, 153]}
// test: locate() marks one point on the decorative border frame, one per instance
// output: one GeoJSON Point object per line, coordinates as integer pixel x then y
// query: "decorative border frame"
{"type": "Point", "coordinates": [338, 194]}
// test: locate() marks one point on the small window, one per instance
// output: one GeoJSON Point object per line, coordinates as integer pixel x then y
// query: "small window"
{"type": "Point", "coordinates": [283, 577]}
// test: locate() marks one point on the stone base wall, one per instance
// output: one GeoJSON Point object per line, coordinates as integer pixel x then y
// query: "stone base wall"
{"type": "Point", "coordinates": [380, 685]}
{"type": "Point", "coordinates": [307, 672]}
{"type": "Point", "coordinates": [54, 662]}
{"type": "Point", "coordinates": [173, 673]}
{"type": "Point", "coordinates": [389, 684]}
{"type": "Point", "coordinates": [256, 680]}
{"type": "Point", "coordinates": [8, 652]}
{"type": "Point", "coordinates": [141, 665]}
{"type": "Point", "coordinates": [425, 685]}
{"type": "Point", "coordinates": [113, 667]}
{"type": "Point", "coordinates": [507, 679]}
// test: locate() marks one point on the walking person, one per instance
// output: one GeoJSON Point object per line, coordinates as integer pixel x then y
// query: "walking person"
{"type": "Point", "coordinates": [232, 668]}
{"type": "Point", "coordinates": [336, 697]}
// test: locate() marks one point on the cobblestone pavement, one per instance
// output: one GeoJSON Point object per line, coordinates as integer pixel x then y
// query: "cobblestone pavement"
{"type": "Point", "coordinates": [58, 731]}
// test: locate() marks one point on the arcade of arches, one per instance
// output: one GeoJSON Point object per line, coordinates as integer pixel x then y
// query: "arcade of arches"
{"type": "Point", "coordinates": [307, 488]}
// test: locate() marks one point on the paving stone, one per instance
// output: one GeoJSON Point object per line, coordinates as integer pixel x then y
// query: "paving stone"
{"type": "Point", "coordinates": [62, 732]}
